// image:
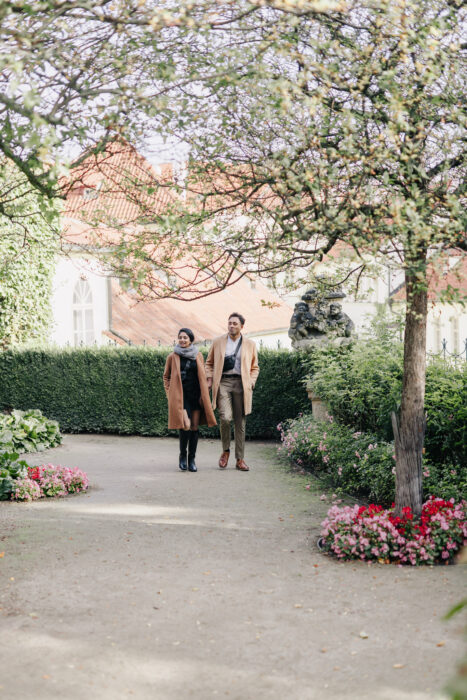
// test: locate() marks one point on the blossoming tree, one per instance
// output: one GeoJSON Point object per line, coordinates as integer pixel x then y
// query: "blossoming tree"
{"type": "Point", "coordinates": [309, 122]}
{"type": "Point", "coordinates": [312, 123]}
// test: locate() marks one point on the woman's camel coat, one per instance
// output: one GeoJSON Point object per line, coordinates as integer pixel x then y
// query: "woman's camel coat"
{"type": "Point", "coordinates": [174, 391]}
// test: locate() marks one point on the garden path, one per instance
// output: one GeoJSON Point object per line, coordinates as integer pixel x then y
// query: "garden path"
{"type": "Point", "coordinates": [163, 585]}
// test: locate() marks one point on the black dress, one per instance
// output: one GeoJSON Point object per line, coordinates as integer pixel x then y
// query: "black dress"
{"type": "Point", "coordinates": [190, 384]}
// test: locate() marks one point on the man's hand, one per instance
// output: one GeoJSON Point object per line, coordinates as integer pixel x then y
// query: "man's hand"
{"type": "Point", "coordinates": [209, 381]}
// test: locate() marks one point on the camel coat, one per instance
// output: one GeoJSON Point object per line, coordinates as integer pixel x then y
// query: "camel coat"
{"type": "Point", "coordinates": [174, 392]}
{"type": "Point", "coordinates": [249, 365]}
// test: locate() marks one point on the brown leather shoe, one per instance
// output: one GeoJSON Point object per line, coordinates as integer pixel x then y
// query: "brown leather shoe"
{"type": "Point", "coordinates": [223, 460]}
{"type": "Point", "coordinates": [242, 466]}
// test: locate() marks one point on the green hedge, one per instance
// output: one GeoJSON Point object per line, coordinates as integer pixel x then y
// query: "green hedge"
{"type": "Point", "coordinates": [120, 390]}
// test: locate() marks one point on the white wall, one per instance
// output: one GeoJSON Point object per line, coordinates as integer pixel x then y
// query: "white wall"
{"type": "Point", "coordinates": [446, 322]}
{"type": "Point", "coordinates": [271, 340]}
{"type": "Point", "coordinates": [68, 271]}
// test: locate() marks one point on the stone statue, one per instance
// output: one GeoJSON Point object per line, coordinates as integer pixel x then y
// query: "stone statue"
{"type": "Point", "coordinates": [319, 320]}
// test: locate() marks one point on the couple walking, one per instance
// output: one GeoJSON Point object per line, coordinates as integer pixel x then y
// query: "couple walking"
{"type": "Point", "coordinates": [231, 371]}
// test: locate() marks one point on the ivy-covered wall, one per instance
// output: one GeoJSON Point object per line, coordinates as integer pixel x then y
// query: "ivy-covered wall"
{"type": "Point", "coordinates": [120, 390]}
{"type": "Point", "coordinates": [28, 243]}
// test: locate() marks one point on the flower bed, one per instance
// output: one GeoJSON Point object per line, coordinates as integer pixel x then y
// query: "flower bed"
{"type": "Point", "coordinates": [375, 534]}
{"type": "Point", "coordinates": [356, 463]}
{"type": "Point", "coordinates": [48, 481]}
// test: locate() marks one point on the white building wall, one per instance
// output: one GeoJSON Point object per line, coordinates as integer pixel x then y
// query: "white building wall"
{"type": "Point", "coordinates": [69, 270]}
{"type": "Point", "coordinates": [272, 341]}
{"type": "Point", "coordinates": [447, 322]}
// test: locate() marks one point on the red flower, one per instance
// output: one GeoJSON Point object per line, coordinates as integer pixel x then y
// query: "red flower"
{"type": "Point", "coordinates": [33, 473]}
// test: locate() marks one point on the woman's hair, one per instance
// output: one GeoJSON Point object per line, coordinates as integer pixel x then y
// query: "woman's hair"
{"type": "Point", "coordinates": [189, 333]}
{"type": "Point", "coordinates": [239, 316]}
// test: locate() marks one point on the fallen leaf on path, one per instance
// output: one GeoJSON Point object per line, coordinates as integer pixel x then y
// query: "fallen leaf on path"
{"type": "Point", "coordinates": [398, 665]}
{"type": "Point", "coordinates": [363, 635]}
{"type": "Point", "coordinates": [2, 554]}
{"type": "Point", "coordinates": [195, 589]}
{"type": "Point", "coordinates": [441, 644]}
{"type": "Point", "coordinates": [323, 650]}
{"type": "Point", "coordinates": [298, 605]}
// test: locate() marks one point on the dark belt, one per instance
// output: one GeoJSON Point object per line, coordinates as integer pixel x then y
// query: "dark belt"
{"type": "Point", "coordinates": [235, 376]}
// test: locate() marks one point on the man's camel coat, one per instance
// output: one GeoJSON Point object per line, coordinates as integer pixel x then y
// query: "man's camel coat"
{"type": "Point", "coordinates": [174, 391]}
{"type": "Point", "coordinates": [249, 364]}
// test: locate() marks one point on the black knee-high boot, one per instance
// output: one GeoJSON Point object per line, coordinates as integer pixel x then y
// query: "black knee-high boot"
{"type": "Point", "coordinates": [184, 436]}
{"type": "Point", "coordinates": [192, 445]}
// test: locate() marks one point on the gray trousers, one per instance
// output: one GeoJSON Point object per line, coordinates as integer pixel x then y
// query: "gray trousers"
{"type": "Point", "coordinates": [230, 405]}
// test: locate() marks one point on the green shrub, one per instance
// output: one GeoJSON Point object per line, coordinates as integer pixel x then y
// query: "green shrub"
{"type": "Point", "coordinates": [11, 468]}
{"type": "Point", "coordinates": [358, 463]}
{"type": "Point", "coordinates": [120, 390]}
{"type": "Point", "coordinates": [28, 431]}
{"type": "Point", "coordinates": [446, 407]}
{"type": "Point", "coordinates": [362, 385]}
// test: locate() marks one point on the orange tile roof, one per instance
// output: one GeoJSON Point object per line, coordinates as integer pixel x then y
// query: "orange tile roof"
{"type": "Point", "coordinates": [118, 185]}
{"type": "Point", "coordinates": [439, 281]}
{"type": "Point", "coordinates": [159, 321]}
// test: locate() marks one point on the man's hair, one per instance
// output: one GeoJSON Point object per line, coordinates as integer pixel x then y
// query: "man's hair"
{"type": "Point", "coordinates": [239, 316]}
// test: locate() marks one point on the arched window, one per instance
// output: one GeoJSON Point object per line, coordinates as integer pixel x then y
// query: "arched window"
{"type": "Point", "coordinates": [83, 321]}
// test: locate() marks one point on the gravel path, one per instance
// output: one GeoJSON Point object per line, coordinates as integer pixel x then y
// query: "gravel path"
{"type": "Point", "coordinates": [164, 585]}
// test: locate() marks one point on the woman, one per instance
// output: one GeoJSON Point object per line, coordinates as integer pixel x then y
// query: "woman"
{"type": "Point", "coordinates": [188, 396]}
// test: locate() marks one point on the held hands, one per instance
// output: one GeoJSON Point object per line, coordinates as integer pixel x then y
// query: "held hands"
{"type": "Point", "coordinates": [209, 381]}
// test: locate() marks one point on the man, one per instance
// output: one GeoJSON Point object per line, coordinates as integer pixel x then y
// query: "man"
{"type": "Point", "coordinates": [231, 371]}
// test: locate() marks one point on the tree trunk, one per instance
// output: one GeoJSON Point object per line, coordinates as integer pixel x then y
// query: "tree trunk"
{"type": "Point", "coordinates": [409, 430]}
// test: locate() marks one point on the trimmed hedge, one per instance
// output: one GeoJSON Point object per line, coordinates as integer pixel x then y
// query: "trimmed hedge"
{"type": "Point", "coordinates": [120, 390]}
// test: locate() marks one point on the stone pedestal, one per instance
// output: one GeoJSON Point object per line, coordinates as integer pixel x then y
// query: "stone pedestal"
{"type": "Point", "coordinates": [318, 407]}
